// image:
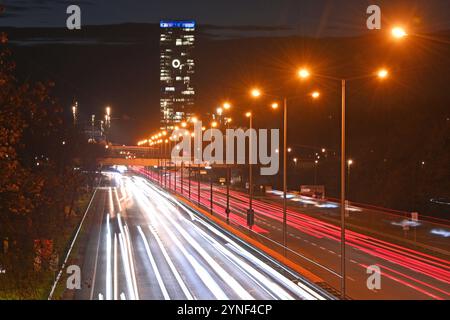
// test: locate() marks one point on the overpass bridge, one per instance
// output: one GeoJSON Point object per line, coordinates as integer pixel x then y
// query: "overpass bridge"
{"type": "Point", "coordinates": [142, 156]}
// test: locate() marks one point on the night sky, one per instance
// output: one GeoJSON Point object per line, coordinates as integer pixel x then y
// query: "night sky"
{"type": "Point", "coordinates": [308, 17]}
{"type": "Point", "coordinates": [118, 65]}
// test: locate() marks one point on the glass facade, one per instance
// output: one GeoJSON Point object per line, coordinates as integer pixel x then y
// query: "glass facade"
{"type": "Point", "coordinates": [177, 69]}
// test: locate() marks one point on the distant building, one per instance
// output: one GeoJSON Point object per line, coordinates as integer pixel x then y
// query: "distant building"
{"type": "Point", "coordinates": [177, 68]}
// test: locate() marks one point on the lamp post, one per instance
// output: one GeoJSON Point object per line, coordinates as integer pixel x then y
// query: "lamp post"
{"type": "Point", "coordinates": [381, 74]}
{"type": "Point", "coordinates": [226, 106]}
{"type": "Point", "coordinates": [75, 112]}
{"type": "Point", "coordinates": [349, 164]}
{"type": "Point", "coordinates": [198, 185]}
{"type": "Point", "coordinates": [250, 212]}
{"type": "Point", "coordinates": [316, 163]}
{"type": "Point", "coordinates": [256, 93]}
{"type": "Point", "coordinates": [227, 210]}
{"type": "Point", "coordinates": [189, 183]}
{"type": "Point", "coordinates": [211, 204]}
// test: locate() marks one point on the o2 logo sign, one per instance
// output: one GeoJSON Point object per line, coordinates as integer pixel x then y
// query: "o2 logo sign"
{"type": "Point", "coordinates": [176, 64]}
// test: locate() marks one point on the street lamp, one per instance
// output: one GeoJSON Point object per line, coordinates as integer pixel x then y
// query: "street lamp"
{"type": "Point", "coordinates": [315, 94]}
{"type": "Point", "coordinates": [255, 93]}
{"type": "Point", "coordinates": [316, 162]}
{"type": "Point", "coordinates": [74, 112]}
{"type": "Point", "coordinates": [381, 74]}
{"type": "Point", "coordinates": [398, 32]}
{"type": "Point", "coordinates": [250, 212]}
{"type": "Point", "coordinates": [228, 120]}
{"type": "Point", "coordinates": [349, 164]}
{"type": "Point", "coordinates": [303, 73]}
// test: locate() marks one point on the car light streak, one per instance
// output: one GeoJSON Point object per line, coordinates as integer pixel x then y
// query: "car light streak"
{"type": "Point", "coordinates": [154, 266]}
{"type": "Point", "coordinates": [117, 198]}
{"type": "Point", "coordinates": [108, 259]}
{"type": "Point", "coordinates": [171, 265]}
{"type": "Point", "coordinates": [126, 266]}
{"type": "Point", "coordinates": [242, 293]}
{"type": "Point", "coordinates": [111, 204]}
{"type": "Point", "coordinates": [116, 281]}
{"type": "Point", "coordinates": [257, 277]}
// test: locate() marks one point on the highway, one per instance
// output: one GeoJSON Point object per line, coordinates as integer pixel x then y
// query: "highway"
{"type": "Point", "coordinates": [315, 244]}
{"type": "Point", "coordinates": [141, 243]}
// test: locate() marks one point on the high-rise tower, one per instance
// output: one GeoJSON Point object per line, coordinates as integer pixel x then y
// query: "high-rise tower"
{"type": "Point", "coordinates": [177, 68]}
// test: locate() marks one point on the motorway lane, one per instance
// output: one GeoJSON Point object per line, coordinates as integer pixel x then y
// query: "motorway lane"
{"type": "Point", "coordinates": [406, 273]}
{"type": "Point", "coordinates": [142, 244]}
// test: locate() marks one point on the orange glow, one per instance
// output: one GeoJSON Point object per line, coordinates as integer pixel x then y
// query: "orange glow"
{"type": "Point", "coordinates": [184, 124]}
{"type": "Point", "coordinates": [304, 73]}
{"type": "Point", "coordinates": [255, 93]}
{"type": "Point", "coordinates": [248, 114]}
{"type": "Point", "coordinates": [275, 105]}
{"type": "Point", "coordinates": [398, 32]}
{"type": "Point", "coordinates": [315, 94]}
{"type": "Point", "coordinates": [382, 73]}
{"type": "Point", "coordinates": [214, 124]}
{"type": "Point", "coordinates": [226, 105]}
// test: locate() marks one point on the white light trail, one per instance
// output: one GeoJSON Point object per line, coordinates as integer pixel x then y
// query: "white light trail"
{"type": "Point", "coordinates": [171, 265]}
{"type": "Point", "coordinates": [130, 254]}
{"type": "Point", "coordinates": [117, 198]}
{"type": "Point", "coordinates": [234, 285]}
{"type": "Point", "coordinates": [108, 259]}
{"type": "Point", "coordinates": [115, 268]}
{"type": "Point", "coordinates": [127, 257]}
{"type": "Point", "coordinates": [239, 249]}
{"type": "Point", "coordinates": [111, 204]}
{"type": "Point", "coordinates": [154, 266]}
{"type": "Point", "coordinates": [126, 266]}
{"type": "Point", "coordinates": [258, 277]}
